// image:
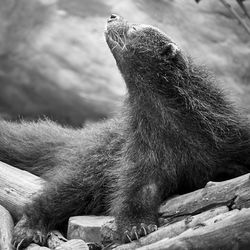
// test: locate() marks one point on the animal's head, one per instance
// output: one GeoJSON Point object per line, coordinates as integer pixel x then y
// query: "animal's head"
{"type": "Point", "coordinates": [142, 52]}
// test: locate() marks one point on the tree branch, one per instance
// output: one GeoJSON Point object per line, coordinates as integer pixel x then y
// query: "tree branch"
{"type": "Point", "coordinates": [236, 15]}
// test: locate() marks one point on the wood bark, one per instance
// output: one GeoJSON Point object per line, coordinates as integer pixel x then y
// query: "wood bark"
{"type": "Point", "coordinates": [17, 187]}
{"type": "Point", "coordinates": [6, 229]}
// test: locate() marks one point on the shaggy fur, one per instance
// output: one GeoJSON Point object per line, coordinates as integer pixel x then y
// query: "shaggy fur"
{"type": "Point", "coordinates": [175, 131]}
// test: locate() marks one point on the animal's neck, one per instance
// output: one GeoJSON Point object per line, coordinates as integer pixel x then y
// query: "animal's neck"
{"type": "Point", "coordinates": [149, 118]}
{"type": "Point", "coordinates": [188, 107]}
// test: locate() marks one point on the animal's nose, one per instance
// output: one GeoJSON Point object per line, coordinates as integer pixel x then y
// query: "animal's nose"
{"type": "Point", "coordinates": [113, 17]}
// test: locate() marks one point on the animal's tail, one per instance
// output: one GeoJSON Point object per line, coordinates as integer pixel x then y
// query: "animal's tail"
{"type": "Point", "coordinates": [32, 145]}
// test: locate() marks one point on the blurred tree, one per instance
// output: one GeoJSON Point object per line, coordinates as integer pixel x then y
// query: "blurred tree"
{"type": "Point", "coordinates": [236, 14]}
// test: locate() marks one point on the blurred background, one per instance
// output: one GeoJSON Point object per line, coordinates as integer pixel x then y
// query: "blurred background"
{"type": "Point", "coordinates": [54, 61]}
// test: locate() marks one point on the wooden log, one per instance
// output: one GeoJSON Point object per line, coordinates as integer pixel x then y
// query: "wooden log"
{"type": "Point", "coordinates": [192, 210]}
{"type": "Point", "coordinates": [87, 228]}
{"type": "Point", "coordinates": [55, 239]}
{"type": "Point", "coordinates": [58, 242]}
{"type": "Point", "coordinates": [75, 244]}
{"type": "Point", "coordinates": [36, 247]}
{"type": "Point", "coordinates": [6, 229]}
{"type": "Point", "coordinates": [174, 229]}
{"type": "Point", "coordinates": [227, 231]}
{"type": "Point", "coordinates": [232, 193]}
{"type": "Point", "coordinates": [17, 187]}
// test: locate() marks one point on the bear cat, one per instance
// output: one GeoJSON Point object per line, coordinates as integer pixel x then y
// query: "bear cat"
{"type": "Point", "coordinates": [174, 133]}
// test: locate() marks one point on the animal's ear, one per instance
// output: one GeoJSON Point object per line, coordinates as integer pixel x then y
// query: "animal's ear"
{"type": "Point", "coordinates": [170, 50]}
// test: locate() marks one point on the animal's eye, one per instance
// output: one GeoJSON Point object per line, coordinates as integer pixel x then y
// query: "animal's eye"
{"type": "Point", "coordinates": [133, 28]}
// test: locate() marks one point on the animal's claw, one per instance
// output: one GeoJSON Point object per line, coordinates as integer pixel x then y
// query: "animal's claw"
{"type": "Point", "coordinates": [127, 236]}
{"type": "Point", "coordinates": [138, 231]}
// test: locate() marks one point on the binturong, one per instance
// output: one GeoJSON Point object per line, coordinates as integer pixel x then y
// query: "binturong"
{"type": "Point", "coordinates": [181, 129]}
{"type": "Point", "coordinates": [175, 132]}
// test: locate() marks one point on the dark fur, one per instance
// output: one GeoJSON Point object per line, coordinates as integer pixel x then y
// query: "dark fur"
{"type": "Point", "coordinates": [174, 132]}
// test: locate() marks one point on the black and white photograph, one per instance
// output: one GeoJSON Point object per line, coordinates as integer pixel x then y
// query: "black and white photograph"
{"type": "Point", "coordinates": [124, 124]}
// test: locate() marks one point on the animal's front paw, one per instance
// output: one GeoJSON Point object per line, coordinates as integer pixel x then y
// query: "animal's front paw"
{"type": "Point", "coordinates": [137, 231]}
{"type": "Point", "coordinates": [24, 234]}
